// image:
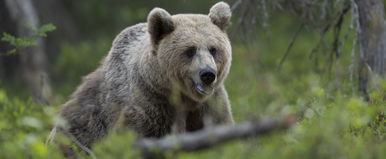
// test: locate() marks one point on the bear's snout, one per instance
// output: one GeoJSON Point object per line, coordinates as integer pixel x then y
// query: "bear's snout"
{"type": "Point", "coordinates": [207, 76]}
{"type": "Point", "coordinates": [204, 81]}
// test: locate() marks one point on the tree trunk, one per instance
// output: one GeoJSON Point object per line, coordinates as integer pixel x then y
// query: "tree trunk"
{"type": "Point", "coordinates": [372, 40]}
{"type": "Point", "coordinates": [32, 59]}
{"type": "Point", "coordinates": [7, 67]}
{"type": "Point", "coordinates": [66, 28]}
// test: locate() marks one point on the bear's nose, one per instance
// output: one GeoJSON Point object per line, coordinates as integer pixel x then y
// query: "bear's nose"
{"type": "Point", "coordinates": [207, 76]}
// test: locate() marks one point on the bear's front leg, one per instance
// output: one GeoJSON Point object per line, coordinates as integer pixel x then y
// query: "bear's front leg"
{"type": "Point", "coordinates": [179, 125]}
{"type": "Point", "coordinates": [217, 110]}
{"type": "Point", "coordinates": [218, 107]}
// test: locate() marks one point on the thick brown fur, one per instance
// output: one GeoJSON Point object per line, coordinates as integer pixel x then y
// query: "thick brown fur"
{"type": "Point", "coordinates": [147, 81]}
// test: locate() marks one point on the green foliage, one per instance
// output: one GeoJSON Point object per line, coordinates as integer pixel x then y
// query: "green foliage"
{"type": "Point", "coordinates": [21, 42]}
{"type": "Point", "coordinates": [118, 145]}
{"type": "Point", "coordinates": [24, 127]}
{"type": "Point", "coordinates": [77, 60]}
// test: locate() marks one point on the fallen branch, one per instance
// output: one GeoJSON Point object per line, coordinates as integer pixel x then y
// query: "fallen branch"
{"type": "Point", "coordinates": [153, 148]}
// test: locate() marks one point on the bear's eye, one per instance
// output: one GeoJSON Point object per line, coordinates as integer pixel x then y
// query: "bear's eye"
{"type": "Point", "coordinates": [190, 52]}
{"type": "Point", "coordinates": [213, 51]}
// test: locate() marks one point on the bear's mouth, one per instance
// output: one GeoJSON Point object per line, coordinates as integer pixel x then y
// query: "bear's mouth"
{"type": "Point", "coordinates": [200, 89]}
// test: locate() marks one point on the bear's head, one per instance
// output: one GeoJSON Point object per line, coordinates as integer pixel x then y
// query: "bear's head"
{"type": "Point", "coordinates": [193, 48]}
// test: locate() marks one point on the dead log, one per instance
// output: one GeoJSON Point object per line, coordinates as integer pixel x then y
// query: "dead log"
{"type": "Point", "coordinates": [210, 137]}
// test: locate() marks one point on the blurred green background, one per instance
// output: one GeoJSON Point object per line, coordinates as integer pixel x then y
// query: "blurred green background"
{"type": "Point", "coordinates": [334, 120]}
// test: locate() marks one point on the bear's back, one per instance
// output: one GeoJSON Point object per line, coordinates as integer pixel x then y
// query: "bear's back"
{"type": "Point", "coordinates": [130, 41]}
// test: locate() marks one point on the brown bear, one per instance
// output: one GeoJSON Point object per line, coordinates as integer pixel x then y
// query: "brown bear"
{"type": "Point", "coordinates": [164, 75]}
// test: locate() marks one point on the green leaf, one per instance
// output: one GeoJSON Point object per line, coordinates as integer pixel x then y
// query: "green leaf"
{"type": "Point", "coordinates": [8, 38]}
{"type": "Point", "coordinates": [12, 52]}
{"type": "Point", "coordinates": [25, 41]}
{"type": "Point", "coordinates": [44, 29]}
{"type": "Point", "coordinates": [32, 27]}
{"type": "Point", "coordinates": [22, 42]}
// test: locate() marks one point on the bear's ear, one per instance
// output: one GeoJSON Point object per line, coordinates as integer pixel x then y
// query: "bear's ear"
{"type": "Point", "coordinates": [159, 24]}
{"type": "Point", "coordinates": [220, 14]}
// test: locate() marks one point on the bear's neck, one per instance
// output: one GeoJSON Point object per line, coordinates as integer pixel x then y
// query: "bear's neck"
{"type": "Point", "coordinates": [153, 75]}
